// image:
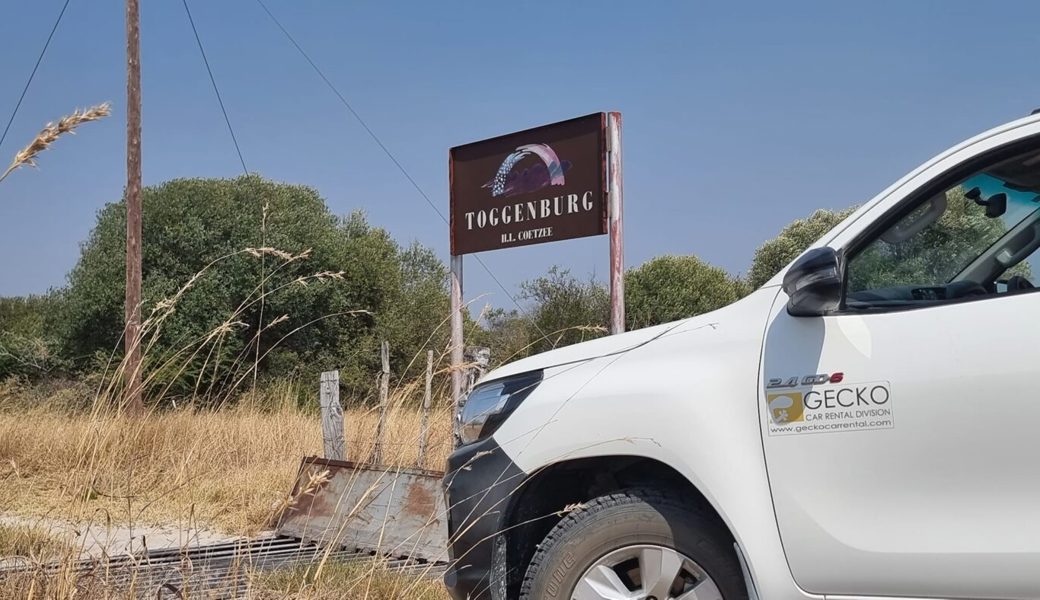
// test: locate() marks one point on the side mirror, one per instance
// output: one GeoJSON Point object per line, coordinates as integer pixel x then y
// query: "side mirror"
{"type": "Point", "coordinates": [813, 283]}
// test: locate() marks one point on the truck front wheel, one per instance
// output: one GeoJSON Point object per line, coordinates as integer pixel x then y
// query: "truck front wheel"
{"type": "Point", "coordinates": [635, 545]}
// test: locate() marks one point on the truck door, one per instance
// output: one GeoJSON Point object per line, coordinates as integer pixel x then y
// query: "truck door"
{"type": "Point", "coordinates": [900, 432]}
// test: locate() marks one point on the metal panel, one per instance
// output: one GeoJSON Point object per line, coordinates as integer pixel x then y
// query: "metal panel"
{"type": "Point", "coordinates": [224, 570]}
{"type": "Point", "coordinates": [389, 511]}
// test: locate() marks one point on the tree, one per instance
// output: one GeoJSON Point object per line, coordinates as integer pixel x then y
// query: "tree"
{"type": "Point", "coordinates": [506, 332]}
{"type": "Point", "coordinates": [668, 288]}
{"type": "Point", "coordinates": [775, 254]}
{"type": "Point", "coordinates": [27, 315]}
{"type": "Point", "coordinates": [930, 257]}
{"type": "Point", "coordinates": [246, 272]}
{"type": "Point", "coordinates": [935, 254]}
{"type": "Point", "coordinates": [416, 317]}
{"type": "Point", "coordinates": [28, 347]}
{"type": "Point", "coordinates": [566, 310]}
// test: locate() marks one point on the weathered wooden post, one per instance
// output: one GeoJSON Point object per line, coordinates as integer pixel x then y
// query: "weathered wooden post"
{"type": "Point", "coordinates": [615, 213]}
{"type": "Point", "coordinates": [384, 393]}
{"type": "Point", "coordinates": [132, 306]}
{"type": "Point", "coordinates": [424, 425]}
{"type": "Point", "coordinates": [457, 343]}
{"type": "Point", "coordinates": [332, 417]}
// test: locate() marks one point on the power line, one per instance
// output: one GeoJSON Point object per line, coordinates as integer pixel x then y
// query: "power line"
{"type": "Point", "coordinates": [346, 103]}
{"type": "Point", "coordinates": [216, 90]}
{"type": "Point", "coordinates": [33, 74]}
{"type": "Point", "coordinates": [382, 146]}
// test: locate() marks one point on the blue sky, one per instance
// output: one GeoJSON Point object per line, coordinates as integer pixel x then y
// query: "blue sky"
{"type": "Point", "coordinates": [738, 117]}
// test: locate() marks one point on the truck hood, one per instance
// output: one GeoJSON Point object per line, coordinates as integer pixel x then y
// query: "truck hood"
{"type": "Point", "coordinates": [615, 344]}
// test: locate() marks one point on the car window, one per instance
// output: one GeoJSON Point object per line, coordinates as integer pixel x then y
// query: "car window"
{"type": "Point", "coordinates": [976, 238]}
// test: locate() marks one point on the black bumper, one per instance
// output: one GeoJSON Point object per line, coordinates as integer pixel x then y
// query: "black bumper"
{"type": "Point", "coordinates": [480, 485]}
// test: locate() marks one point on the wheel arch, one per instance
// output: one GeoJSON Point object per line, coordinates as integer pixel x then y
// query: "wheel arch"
{"type": "Point", "coordinates": [549, 493]}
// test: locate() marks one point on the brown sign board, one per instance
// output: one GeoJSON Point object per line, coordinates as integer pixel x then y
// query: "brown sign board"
{"type": "Point", "coordinates": [540, 185]}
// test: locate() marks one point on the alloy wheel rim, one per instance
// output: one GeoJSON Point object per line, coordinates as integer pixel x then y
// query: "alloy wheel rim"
{"type": "Point", "coordinates": [645, 572]}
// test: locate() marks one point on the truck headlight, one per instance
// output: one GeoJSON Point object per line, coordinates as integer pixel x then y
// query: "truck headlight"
{"type": "Point", "coordinates": [488, 405]}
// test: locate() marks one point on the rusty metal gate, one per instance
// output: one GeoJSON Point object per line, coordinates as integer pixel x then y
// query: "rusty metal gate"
{"type": "Point", "coordinates": [389, 511]}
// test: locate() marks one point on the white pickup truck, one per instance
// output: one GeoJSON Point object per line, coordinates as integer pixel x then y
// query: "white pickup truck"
{"type": "Point", "coordinates": [864, 426]}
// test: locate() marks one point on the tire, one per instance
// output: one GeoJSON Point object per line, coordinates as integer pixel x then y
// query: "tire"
{"type": "Point", "coordinates": [632, 522]}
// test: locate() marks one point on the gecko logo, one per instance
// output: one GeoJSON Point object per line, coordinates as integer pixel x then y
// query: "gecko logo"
{"type": "Point", "coordinates": [786, 407]}
{"type": "Point", "coordinates": [513, 177]}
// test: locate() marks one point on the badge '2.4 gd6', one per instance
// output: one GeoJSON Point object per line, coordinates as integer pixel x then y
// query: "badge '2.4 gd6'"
{"type": "Point", "coordinates": [790, 382]}
{"type": "Point", "coordinates": [860, 427]}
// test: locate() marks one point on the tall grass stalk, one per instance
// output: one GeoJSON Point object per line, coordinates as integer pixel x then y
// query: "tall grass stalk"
{"type": "Point", "coordinates": [67, 125]}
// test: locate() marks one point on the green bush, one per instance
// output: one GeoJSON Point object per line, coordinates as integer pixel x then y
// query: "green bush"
{"type": "Point", "coordinates": [28, 346]}
{"type": "Point", "coordinates": [566, 310]}
{"type": "Point", "coordinates": [247, 271]}
{"type": "Point", "coordinates": [792, 240]}
{"type": "Point", "coordinates": [668, 288]}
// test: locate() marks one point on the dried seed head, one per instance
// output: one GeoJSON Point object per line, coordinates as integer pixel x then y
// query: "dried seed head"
{"type": "Point", "coordinates": [50, 134]}
{"type": "Point", "coordinates": [280, 319]}
{"type": "Point", "coordinates": [590, 328]}
{"type": "Point", "coordinates": [282, 254]}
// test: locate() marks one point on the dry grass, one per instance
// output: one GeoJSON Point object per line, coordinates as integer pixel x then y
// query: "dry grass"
{"type": "Point", "coordinates": [221, 469]}
{"type": "Point", "coordinates": [51, 132]}
{"type": "Point", "coordinates": [34, 543]}
{"type": "Point", "coordinates": [334, 581]}
{"type": "Point", "coordinates": [347, 582]}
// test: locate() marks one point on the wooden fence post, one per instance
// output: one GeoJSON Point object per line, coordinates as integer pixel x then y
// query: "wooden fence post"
{"type": "Point", "coordinates": [425, 422]}
{"type": "Point", "coordinates": [332, 417]}
{"type": "Point", "coordinates": [384, 393]}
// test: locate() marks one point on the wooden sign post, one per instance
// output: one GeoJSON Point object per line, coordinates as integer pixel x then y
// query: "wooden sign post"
{"type": "Point", "coordinates": [457, 376]}
{"type": "Point", "coordinates": [614, 214]}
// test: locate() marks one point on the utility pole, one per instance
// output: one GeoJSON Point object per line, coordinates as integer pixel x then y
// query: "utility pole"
{"type": "Point", "coordinates": [132, 373]}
